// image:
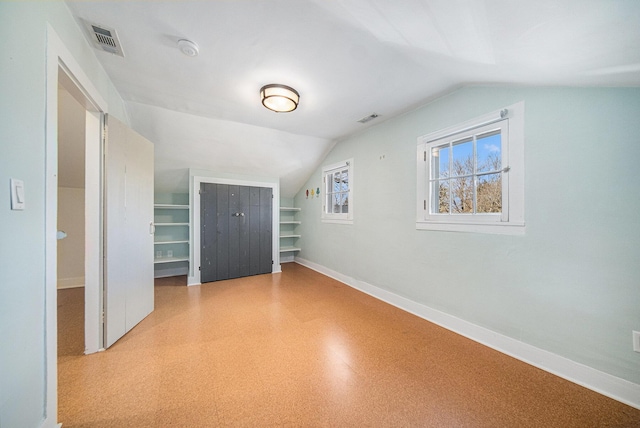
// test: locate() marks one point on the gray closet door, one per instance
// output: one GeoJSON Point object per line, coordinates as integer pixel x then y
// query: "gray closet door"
{"type": "Point", "coordinates": [236, 231]}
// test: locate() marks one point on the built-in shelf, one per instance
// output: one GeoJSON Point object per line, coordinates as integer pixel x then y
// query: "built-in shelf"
{"type": "Point", "coordinates": [170, 260]}
{"type": "Point", "coordinates": [289, 249]}
{"type": "Point", "coordinates": [171, 207]}
{"type": "Point", "coordinates": [172, 234]}
{"type": "Point", "coordinates": [288, 234]}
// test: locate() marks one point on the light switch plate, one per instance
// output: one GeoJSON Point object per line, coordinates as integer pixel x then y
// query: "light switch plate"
{"type": "Point", "coordinates": [636, 341]}
{"type": "Point", "coordinates": [17, 194]}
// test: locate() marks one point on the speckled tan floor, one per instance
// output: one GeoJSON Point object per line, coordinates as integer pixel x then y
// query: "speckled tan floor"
{"type": "Point", "coordinates": [298, 349]}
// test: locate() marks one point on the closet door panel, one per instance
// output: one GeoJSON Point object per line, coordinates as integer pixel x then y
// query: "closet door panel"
{"type": "Point", "coordinates": [244, 238]}
{"type": "Point", "coordinates": [208, 232]}
{"type": "Point", "coordinates": [234, 217]}
{"type": "Point", "coordinates": [242, 243]}
{"type": "Point", "coordinates": [222, 228]}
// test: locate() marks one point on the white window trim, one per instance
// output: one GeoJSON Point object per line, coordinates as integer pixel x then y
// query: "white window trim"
{"type": "Point", "coordinates": [337, 218]}
{"type": "Point", "coordinates": [511, 223]}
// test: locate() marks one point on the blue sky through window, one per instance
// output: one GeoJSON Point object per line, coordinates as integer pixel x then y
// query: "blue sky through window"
{"type": "Point", "coordinates": [488, 149]}
{"type": "Point", "coordinates": [488, 146]}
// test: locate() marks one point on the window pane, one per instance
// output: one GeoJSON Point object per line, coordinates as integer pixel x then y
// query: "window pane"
{"type": "Point", "coordinates": [489, 193]}
{"type": "Point", "coordinates": [440, 162]}
{"type": "Point", "coordinates": [335, 202]}
{"type": "Point", "coordinates": [336, 182]}
{"type": "Point", "coordinates": [462, 195]}
{"type": "Point", "coordinates": [489, 150]}
{"type": "Point", "coordinates": [344, 201]}
{"type": "Point", "coordinates": [327, 202]}
{"type": "Point", "coordinates": [462, 157]}
{"type": "Point", "coordinates": [440, 197]}
{"type": "Point", "coordinates": [345, 181]}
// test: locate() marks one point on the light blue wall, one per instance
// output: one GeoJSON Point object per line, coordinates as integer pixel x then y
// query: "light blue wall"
{"type": "Point", "coordinates": [569, 286]}
{"type": "Point", "coordinates": [23, 43]}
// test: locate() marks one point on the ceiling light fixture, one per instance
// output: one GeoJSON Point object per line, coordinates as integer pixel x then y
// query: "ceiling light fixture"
{"type": "Point", "coordinates": [279, 98]}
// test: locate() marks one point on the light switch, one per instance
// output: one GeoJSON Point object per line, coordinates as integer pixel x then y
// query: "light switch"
{"type": "Point", "coordinates": [17, 194]}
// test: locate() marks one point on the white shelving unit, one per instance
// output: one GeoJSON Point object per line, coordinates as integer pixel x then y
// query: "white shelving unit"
{"type": "Point", "coordinates": [288, 234]}
{"type": "Point", "coordinates": [171, 241]}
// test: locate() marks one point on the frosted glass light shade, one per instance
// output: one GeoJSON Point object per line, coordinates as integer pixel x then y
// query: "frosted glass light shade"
{"type": "Point", "coordinates": [279, 98]}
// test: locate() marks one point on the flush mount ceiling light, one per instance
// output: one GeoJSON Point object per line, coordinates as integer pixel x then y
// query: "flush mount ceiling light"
{"type": "Point", "coordinates": [279, 98]}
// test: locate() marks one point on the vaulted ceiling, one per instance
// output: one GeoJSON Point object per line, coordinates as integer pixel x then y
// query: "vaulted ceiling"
{"type": "Point", "coordinates": [347, 59]}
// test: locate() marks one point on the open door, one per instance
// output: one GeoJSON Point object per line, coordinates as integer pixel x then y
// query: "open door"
{"type": "Point", "coordinates": [128, 229]}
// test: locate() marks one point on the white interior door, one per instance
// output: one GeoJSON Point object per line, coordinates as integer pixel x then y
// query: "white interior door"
{"type": "Point", "coordinates": [128, 284]}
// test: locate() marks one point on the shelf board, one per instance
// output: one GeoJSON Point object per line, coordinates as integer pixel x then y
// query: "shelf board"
{"type": "Point", "coordinates": [170, 242]}
{"type": "Point", "coordinates": [171, 207]}
{"type": "Point", "coordinates": [290, 236]}
{"type": "Point", "coordinates": [289, 249]}
{"type": "Point", "coordinates": [291, 222]}
{"type": "Point", "coordinates": [171, 224]}
{"type": "Point", "coordinates": [170, 260]}
{"type": "Point", "coordinates": [290, 209]}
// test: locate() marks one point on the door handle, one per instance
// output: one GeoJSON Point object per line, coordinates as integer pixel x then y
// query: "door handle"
{"type": "Point", "coordinates": [152, 228]}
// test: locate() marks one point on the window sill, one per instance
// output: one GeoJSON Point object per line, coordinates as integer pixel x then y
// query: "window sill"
{"type": "Point", "coordinates": [337, 220]}
{"type": "Point", "coordinates": [490, 228]}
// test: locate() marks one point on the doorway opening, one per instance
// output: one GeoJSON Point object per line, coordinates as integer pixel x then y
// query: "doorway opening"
{"type": "Point", "coordinates": [71, 224]}
{"type": "Point", "coordinates": [64, 71]}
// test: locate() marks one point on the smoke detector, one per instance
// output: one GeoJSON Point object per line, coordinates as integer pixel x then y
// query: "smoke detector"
{"type": "Point", "coordinates": [188, 47]}
{"type": "Point", "coordinates": [104, 38]}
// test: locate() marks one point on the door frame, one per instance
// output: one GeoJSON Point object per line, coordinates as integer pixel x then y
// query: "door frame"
{"type": "Point", "coordinates": [194, 196]}
{"type": "Point", "coordinates": [60, 64]}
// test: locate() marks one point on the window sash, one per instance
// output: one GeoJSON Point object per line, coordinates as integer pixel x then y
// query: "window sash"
{"type": "Point", "coordinates": [434, 176]}
{"type": "Point", "coordinates": [338, 187]}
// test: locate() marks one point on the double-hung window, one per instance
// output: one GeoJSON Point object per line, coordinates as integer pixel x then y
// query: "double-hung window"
{"type": "Point", "coordinates": [471, 176]}
{"type": "Point", "coordinates": [337, 179]}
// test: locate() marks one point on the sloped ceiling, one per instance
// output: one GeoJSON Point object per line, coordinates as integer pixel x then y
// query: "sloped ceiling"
{"type": "Point", "coordinates": [347, 58]}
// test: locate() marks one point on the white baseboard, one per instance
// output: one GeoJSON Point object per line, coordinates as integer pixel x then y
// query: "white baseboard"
{"type": "Point", "coordinates": [64, 283]}
{"type": "Point", "coordinates": [614, 387]}
{"type": "Point", "coordinates": [50, 422]}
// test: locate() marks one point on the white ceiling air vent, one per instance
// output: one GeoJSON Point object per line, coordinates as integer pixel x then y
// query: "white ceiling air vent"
{"type": "Point", "coordinates": [104, 38]}
{"type": "Point", "coordinates": [369, 118]}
